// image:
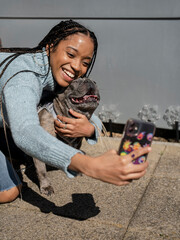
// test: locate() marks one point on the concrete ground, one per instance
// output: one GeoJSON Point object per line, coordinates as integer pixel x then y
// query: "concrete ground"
{"type": "Point", "coordinates": [87, 209]}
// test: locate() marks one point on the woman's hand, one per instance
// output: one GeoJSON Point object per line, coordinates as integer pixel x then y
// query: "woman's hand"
{"type": "Point", "coordinates": [110, 167]}
{"type": "Point", "coordinates": [74, 127]}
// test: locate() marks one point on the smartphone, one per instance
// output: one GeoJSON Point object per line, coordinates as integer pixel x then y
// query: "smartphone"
{"type": "Point", "coordinates": [136, 134]}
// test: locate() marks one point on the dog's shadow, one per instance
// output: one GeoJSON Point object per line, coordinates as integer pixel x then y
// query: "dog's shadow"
{"type": "Point", "coordinates": [81, 208]}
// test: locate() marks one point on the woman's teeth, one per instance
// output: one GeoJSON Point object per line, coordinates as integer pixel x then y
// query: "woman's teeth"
{"type": "Point", "coordinates": [71, 75]}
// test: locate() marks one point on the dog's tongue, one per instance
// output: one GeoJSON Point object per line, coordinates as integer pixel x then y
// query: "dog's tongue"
{"type": "Point", "coordinates": [89, 97]}
{"type": "Point", "coordinates": [86, 98]}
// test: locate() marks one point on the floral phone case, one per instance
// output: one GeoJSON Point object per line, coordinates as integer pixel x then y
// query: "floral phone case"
{"type": "Point", "coordinates": [136, 134]}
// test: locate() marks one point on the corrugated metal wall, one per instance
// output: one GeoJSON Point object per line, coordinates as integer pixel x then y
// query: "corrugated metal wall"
{"type": "Point", "coordinates": [138, 63]}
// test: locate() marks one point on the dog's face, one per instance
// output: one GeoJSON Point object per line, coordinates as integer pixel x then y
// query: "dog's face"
{"type": "Point", "coordinates": [82, 95]}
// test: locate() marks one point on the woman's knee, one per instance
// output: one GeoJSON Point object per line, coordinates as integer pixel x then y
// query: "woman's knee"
{"type": "Point", "coordinates": [10, 195]}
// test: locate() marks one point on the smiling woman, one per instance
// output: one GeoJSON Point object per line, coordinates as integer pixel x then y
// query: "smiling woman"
{"type": "Point", "coordinates": [71, 58]}
{"type": "Point", "coordinates": [66, 53]}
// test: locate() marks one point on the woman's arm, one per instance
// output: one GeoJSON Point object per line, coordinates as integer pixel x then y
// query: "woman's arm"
{"type": "Point", "coordinates": [20, 102]}
{"type": "Point", "coordinates": [21, 97]}
{"type": "Point", "coordinates": [36, 142]}
{"type": "Point", "coordinates": [110, 167]}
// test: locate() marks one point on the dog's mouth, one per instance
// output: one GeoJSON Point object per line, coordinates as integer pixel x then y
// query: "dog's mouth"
{"type": "Point", "coordinates": [85, 99]}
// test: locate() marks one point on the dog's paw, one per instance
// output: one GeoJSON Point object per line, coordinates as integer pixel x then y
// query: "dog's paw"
{"type": "Point", "coordinates": [47, 190]}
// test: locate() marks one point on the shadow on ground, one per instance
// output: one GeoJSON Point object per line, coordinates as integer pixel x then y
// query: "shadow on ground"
{"type": "Point", "coordinates": [81, 208]}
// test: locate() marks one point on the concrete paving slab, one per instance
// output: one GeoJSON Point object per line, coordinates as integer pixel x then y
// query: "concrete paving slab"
{"type": "Point", "coordinates": [36, 225]}
{"type": "Point", "coordinates": [169, 165]}
{"type": "Point", "coordinates": [158, 212]}
{"type": "Point", "coordinates": [85, 208]}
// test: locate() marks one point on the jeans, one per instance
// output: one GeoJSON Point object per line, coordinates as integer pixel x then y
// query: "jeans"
{"type": "Point", "coordinates": [8, 176]}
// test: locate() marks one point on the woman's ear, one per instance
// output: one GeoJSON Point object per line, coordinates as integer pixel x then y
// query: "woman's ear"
{"type": "Point", "coordinates": [49, 48]}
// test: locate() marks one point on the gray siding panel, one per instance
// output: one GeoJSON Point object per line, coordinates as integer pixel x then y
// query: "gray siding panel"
{"type": "Point", "coordinates": [87, 9]}
{"type": "Point", "coordinates": [138, 64]}
{"type": "Point", "coordinates": [138, 61]}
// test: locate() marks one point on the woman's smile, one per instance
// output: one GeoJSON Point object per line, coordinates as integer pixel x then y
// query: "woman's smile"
{"type": "Point", "coordinates": [69, 76]}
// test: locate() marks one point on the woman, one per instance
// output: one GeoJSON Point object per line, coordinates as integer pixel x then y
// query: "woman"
{"type": "Point", "coordinates": [66, 53]}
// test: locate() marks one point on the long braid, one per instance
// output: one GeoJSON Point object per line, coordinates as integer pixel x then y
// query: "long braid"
{"type": "Point", "coordinates": [62, 31]}
{"type": "Point", "coordinates": [59, 32]}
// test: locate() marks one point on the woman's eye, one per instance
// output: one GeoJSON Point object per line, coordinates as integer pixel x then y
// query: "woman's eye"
{"type": "Point", "coordinates": [86, 64]}
{"type": "Point", "coordinates": [70, 55]}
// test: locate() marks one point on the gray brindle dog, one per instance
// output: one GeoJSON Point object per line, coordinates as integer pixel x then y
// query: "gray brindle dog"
{"type": "Point", "coordinates": [82, 95]}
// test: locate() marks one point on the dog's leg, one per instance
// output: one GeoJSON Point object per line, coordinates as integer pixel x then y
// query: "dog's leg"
{"type": "Point", "coordinates": [47, 122]}
{"type": "Point", "coordinates": [45, 186]}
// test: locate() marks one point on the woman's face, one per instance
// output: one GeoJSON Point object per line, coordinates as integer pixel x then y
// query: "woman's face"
{"type": "Point", "coordinates": [71, 58]}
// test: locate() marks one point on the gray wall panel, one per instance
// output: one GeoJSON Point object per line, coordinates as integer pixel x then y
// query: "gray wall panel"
{"type": "Point", "coordinates": [24, 33]}
{"type": "Point", "coordinates": [86, 8]}
{"type": "Point", "coordinates": [138, 61]}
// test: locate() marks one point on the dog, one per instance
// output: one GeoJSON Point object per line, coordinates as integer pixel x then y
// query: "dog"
{"type": "Point", "coordinates": [82, 95]}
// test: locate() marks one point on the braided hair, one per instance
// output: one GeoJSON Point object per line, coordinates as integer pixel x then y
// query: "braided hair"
{"type": "Point", "coordinates": [59, 32]}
